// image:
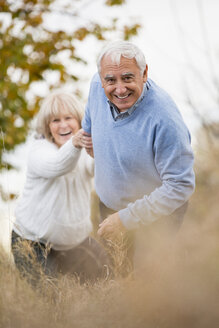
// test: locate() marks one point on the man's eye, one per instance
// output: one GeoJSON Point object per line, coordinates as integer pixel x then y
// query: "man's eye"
{"type": "Point", "coordinates": [128, 78]}
{"type": "Point", "coordinates": [110, 81]}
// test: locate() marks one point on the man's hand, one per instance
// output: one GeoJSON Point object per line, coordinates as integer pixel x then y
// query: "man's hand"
{"type": "Point", "coordinates": [111, 227]}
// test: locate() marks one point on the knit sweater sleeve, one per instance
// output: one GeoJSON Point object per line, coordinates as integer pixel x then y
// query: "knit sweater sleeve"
{"type": "Point", "coordinates": [173, 159]}
{"type": "Point", "coordinates": [47, 161]}
{"type": "Point", "coordinates": [86, 122]}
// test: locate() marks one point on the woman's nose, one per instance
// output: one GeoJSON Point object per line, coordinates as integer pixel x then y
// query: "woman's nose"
{"type": "Point", "coordinates": [63, 123]}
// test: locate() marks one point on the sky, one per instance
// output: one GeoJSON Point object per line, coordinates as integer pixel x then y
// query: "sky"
{"type": "Point", "coordinates": [180, 42]}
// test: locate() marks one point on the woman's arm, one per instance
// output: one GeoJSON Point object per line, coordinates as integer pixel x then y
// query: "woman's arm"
{"type": "Point", "coordinates": [48, 161]}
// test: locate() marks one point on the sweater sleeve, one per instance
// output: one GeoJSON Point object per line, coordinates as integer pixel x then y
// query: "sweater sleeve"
{"type": "Point", "coordinates": [86, 122]}
{"type": "Point", "coordinates": [173, 159]}
{"type": "Point", "coordinates": [47, 161]}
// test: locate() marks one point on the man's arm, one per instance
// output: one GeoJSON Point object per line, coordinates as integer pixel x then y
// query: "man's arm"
{"type": "Point", "coordinates": [86, 122]}
{"type": "Point", "coordinates": [111, 227]}
{"type": "Point", "coordinates": [173, 159]}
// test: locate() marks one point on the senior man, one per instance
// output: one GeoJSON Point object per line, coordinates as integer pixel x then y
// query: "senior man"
{"type": "Point", "coordinates": [143, 157]}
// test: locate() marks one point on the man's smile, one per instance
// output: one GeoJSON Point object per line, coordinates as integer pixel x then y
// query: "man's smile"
{"type": "Point", "coordinates": [122, 97]}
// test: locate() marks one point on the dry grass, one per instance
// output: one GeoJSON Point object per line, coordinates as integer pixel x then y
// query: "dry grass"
{"type": "Point", "coordinates": [179, 287]}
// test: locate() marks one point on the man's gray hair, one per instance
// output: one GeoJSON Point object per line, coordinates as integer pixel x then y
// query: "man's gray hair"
{"type": "Point", "coordinates": [118, 49]}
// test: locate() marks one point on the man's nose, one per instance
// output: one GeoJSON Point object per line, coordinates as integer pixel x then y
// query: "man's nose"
{"type": "Point", "coordinates": [120, 88]}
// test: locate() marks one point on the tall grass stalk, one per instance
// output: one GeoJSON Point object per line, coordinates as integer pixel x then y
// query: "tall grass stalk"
{"type": "Point", "coordinates": [178, 287]}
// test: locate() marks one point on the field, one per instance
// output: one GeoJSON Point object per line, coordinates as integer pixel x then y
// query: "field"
{"type": "Point", "coordinates": [179, 287]}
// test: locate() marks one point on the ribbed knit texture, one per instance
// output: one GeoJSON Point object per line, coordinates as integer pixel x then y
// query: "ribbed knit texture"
{"type": "Point", "coordinates": [143, 163]}
{"type": "Point", "coordinates": [55, 205]}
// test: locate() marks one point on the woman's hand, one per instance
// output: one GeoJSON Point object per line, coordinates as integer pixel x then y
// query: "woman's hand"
{"type": "Point", "coordinates": [77, 139]}
{"type": "Point", "coordinates": [88, 144]}
{"type": "Point", "coordinates": [83, 139]}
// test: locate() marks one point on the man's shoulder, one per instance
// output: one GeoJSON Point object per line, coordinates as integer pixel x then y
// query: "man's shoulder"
{"type": "Point", "coordinates": [96, 90]}
{"type": "Point", "coordinates": [161, 108]}
{"type": "Point", "coordinates": [160, 100]}
{"type": "Point", "coordinates": [96, 78]}
{"type": "Point", "coordinates": [95, 84]}
{"type": "Point", "coordinates": [158, 92]}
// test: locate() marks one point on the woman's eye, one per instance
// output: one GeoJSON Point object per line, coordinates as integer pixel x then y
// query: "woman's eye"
{"type": "Point", "coordinates": [55, 120]}
{"type": "Point", "coordinates": [68, 118]}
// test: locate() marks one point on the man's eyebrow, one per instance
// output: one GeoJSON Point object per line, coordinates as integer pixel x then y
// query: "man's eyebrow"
{"type": "Point", "coordinates": [128, 74]}
{"type": "Point", "coordinates": [108, 76]}
{"type": "Point", "coordinates": [111, 76]}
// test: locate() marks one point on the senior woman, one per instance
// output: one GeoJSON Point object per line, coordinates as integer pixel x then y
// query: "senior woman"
{"type": "Point", "coordinates": [53, 214]}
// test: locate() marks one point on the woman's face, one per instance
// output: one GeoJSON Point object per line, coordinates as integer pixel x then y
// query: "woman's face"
{"type": "Point", "coordinates": [62, 127]}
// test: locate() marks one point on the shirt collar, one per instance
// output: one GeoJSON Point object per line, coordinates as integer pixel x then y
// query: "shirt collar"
{"type": "Point", "coordinates": [116, 113]}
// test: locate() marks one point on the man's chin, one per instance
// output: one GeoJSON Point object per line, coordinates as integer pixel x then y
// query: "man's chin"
{"type": "Point", "coordinates": [123, 107]}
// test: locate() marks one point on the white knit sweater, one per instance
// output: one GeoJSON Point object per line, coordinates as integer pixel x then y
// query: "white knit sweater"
{"type": "Point", "coordinates": [55, 205]}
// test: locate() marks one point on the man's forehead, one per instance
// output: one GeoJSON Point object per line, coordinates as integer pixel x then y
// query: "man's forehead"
{"type": "Point", "coordinates": [127, 67]}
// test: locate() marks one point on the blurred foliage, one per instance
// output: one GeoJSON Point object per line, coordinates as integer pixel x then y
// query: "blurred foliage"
{"type": "Point", "coordinates": [28, 51]}
{"type": "Point", "coordinates": [114, 2]}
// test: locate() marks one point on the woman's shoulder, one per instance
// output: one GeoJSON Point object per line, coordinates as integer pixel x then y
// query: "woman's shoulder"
{"type": "Point", "coordinates": [40, 141]}
{"type": "Point", "coordinates": [39, 146]}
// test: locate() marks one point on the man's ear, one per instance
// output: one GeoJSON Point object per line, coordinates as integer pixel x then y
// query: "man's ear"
{"type": "Point", "coordinates": [145, 74]}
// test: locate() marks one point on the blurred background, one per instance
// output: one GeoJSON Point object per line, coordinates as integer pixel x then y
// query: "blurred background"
{"type": "Point", "coordinates": [50, 44]}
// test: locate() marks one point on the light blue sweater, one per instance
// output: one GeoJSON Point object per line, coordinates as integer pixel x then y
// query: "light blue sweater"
{"type": "Point", "coordinates": [143, 163]}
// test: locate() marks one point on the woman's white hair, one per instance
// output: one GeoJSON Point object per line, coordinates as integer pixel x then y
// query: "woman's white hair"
{"type": "Point", "coordinates": [117, 49]}
{"type": "Point", "coordinates": [53, 105]}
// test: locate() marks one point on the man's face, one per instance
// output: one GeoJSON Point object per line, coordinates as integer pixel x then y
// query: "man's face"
{"type": "Point", "coordinates": [123, 83]}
